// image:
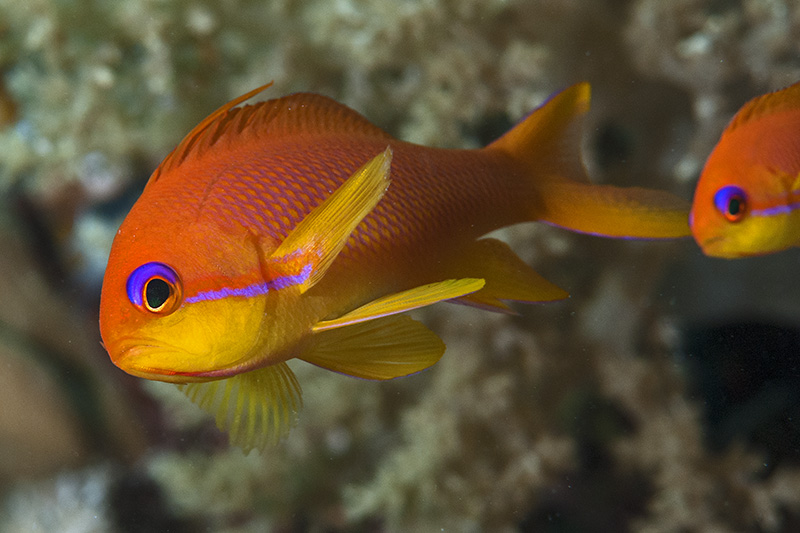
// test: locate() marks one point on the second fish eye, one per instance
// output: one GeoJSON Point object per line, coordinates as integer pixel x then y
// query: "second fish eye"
{"type": "Point", "coordinates": [731, 202]}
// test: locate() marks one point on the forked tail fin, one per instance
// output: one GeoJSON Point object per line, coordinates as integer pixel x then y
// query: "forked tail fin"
{"type": "Point", "coordinates": [546, 145]}
{"type": "Point", "coordinates": [547, 141]}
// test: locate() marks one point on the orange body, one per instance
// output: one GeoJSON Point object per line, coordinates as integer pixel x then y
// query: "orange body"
{"type": "Point", "coordinates": [264, 237]}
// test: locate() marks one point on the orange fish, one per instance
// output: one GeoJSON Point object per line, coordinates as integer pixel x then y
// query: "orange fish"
{"type": "Point", "coordinates": [262, 238]}
{"type": "Point", "coordinates": [747, 201]}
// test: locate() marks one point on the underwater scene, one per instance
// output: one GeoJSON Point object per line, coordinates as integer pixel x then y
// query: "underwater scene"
{"type": "Point", "coordinates": [385, 266]}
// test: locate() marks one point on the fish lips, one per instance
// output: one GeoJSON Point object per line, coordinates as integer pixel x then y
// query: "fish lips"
{"type": "Point", "coordinates": [134, 356]}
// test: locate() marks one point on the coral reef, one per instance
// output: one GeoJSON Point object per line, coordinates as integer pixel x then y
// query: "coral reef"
{"type": "Point", "coordinates": [587, 415]}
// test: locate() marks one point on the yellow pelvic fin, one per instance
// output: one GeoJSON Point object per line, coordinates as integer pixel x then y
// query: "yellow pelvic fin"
{"type": "Point", "coordinates": [256, 408]}
{"type": "Point", "coordinates": [404, 301]}
{"type": "Point", "coordinates": [321, 235]}
{"type": "Point", "coordinates": [629, 212]}
{"type": "Point", "coordinates": [507, 277]}
{"type": "Point", "coordinates": [383, 348]}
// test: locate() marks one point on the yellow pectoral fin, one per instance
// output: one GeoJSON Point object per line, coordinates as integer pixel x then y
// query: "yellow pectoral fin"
{"type": "Point", "coordinates": [383, 348]}
{"type": "Point", "coordinates": [404, 301]}
{"type": "Point", "coordinates": [507, 277]}
{"type": "Point", "coordinates": [256, 408]}
{"type": "Point", "coordinates": [627, 212]}
{"type": "Point", "coordinates": [321, 235]}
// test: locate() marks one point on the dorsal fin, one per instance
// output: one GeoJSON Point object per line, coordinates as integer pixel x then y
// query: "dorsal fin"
{"type": "Point", "coordinates": [185, 146]}
{"type": "Point", "coordinates": [786, 99]}
{"type": "Point", "coordinates": [293, 114]}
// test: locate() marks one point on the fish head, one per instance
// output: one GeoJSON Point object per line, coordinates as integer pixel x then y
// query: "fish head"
{"type": "Point", "coordinates": [188, 302]}
{"type": "Point", "coordinates": [747, 199]}
{"type": "Point", "coordinates": [743, 210]}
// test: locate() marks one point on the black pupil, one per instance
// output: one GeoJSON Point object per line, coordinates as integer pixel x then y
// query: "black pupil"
{"type": "Point", "coordinates": [734, 206]}
{"type": "Point", "coordinates": [156, 292]}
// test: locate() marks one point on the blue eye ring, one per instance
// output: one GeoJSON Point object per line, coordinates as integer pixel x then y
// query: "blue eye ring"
{"type": "Point", "coordinates": [155, 288]}
{"type": "Point", "coordinates": [731, 202]}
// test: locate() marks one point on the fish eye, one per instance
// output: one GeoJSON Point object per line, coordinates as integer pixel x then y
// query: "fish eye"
{"type": "Point", "coordinates": [731, 202]}
{"type": "Point", "coordinates": [155, 288]}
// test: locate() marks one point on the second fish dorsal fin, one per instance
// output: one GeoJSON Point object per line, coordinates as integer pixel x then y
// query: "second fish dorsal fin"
{"type": "Point", "coordinates": [255, 408]}
{"type": "Point", "coordinates": [307, 252]}
{"type": "Point", "coordinates": [787, 99]}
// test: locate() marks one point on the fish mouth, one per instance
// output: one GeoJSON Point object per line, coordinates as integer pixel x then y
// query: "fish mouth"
{"type": "Point", "coordinates": [715, 247]}
{"type": "Point", "coordinates": [132, 353]}
{"type": "Point", "coordinates": [711, 242]}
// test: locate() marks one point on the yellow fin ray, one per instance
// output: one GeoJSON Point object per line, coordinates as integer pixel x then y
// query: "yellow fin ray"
{"type": "Point", "coordinates": [321, 235]}
{"type": "Point", "coordinates": [404, 301]}
{"type": "Point", "coordinates": [507, 277]}
{"type": "Point", "coordinates": [255, 408]}
{"type": "Point", "coordinates": [383, 348]}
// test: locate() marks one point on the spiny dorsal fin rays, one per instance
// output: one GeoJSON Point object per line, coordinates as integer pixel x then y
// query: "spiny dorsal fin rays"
{"type": "Point", "coordinates": [767, 104]}
{"type": "Point", "coordinates": [256, 408]}
{"type": "Point", "coordinates": [312, 246]}
{"type": "Point", "coordinates": [306, 113]}
{"type": "Point", "coordinates": [281, 117]}
{"type": "Point", "coordinates": [187, 145]}
{"type": "Point", "coordinates": [404, 301]}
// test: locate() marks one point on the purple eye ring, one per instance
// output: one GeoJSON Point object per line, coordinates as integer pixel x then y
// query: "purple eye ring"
{"type": "Point", "coordinates": [155, 287]}
{"type": "Point", "coordinates": [731, 202]}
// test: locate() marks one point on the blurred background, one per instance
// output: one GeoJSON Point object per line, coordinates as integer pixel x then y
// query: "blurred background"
{"type": "Point", "coordinates": [662, 396]}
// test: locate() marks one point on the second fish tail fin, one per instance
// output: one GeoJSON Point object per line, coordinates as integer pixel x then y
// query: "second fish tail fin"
{"type": "Point", "coordinates": [546, 145]}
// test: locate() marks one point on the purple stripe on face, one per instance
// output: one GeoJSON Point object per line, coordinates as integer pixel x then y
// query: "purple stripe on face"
{"type": "Point", "coordinates": [257, 289]}
{"type": "Point", "coordinates": [777, 210]}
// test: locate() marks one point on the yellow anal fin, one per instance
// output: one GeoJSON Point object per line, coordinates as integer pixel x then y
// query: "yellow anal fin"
{"type": "Point", "coordinates": [383, 348]}
{"type": "Point", "coordinates": [404, 301]}
{"type": "Point", "coordinates": [312, 246]}
{"type": "Point", "coordinates": [255, 408]}
{"type": "Point", "coordinates": [507, 277]}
